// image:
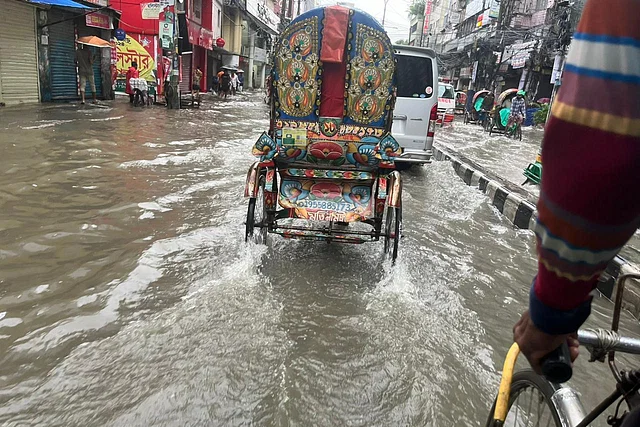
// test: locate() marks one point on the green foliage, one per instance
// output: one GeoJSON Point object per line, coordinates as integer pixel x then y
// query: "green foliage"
{"type": "Point", "coordinates": [402, 42]}
{"type": "Point", "coordinates": [416, 8]}
{"type": "Point", "coordinates": [540, 116]}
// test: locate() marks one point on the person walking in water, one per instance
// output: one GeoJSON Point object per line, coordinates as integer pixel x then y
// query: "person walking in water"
{"type": "Point", "coordinates": [234, 83]}
{"type": "Point", "coordinates": [132, 73]}
{"type": "Point", "coordinates": [85, 71]}
{"type": "Point", "coordinates": [225, 84]}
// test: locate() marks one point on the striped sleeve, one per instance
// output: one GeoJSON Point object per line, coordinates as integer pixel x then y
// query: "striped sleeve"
{"type": "Point", "coordinates": [589, 203]}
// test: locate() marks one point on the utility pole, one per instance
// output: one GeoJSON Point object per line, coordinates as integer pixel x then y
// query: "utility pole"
{"type": "Point", "coordinates": [283, 14]}
{"type": "Point", "coordinates": [384, 14]}
{"type": "Point", "coordinates": [564, 39]}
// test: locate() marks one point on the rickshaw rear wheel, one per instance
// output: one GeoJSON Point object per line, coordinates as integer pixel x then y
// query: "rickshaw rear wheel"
{"type": "Point", "coordinates": [392, 232]}
{"type": "Point", "coordinates": [257, 206]}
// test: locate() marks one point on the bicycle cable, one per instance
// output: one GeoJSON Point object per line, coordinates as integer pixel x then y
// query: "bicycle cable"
{"type": "Point", "coordinates": [607, 340]}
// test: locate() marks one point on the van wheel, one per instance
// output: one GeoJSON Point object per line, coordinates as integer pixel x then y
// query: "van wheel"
{"type": "Point", "coordinates": [402, 166]}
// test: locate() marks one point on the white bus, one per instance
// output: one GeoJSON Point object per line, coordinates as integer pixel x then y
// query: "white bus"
{"type": "Point", "coordinates": [416, 110]}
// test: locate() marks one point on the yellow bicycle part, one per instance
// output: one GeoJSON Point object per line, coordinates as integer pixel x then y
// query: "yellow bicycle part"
{"type": "Point", "coordinates": [502, 402]}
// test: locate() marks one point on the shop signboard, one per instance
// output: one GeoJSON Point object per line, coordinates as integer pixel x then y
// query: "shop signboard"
{"type": "Point", "coordinates": [494, 9]}
{"type": "Point", "coordinates": [103, 3]}
{"type": "Point", "coordinates": [260, 11]}
{"type": "Point", "coordinates": [98, 20]}
{"type": "Point", "coordinates": [136, 48]}
{"type": "Point", "coordinates": [166, 30]}
{"type": "Point", "coordinates": [259, 54]}
{"type": "Point", "coordinates": [153, 10]}
{"type": "Point", "coordinates": [474, 6]}
{"type": "Point", "coordinates": [428, 8]}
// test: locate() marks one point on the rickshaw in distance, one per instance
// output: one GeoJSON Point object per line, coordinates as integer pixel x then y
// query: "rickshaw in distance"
{"type": "Point", "coordinates": [325, 168]}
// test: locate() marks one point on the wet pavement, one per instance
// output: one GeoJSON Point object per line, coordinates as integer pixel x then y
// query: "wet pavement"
{"type": "Point", "coordinates": [507, 158]}
{"type": "Point", "coordinates": [128, 297]}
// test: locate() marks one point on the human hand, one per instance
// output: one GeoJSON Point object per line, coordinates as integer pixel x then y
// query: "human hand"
{"type": "Point", "coordinates": [535, 344]}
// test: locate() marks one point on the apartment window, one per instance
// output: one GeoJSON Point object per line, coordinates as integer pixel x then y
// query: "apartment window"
{"type": "Point", "coordinates": [197, 10]}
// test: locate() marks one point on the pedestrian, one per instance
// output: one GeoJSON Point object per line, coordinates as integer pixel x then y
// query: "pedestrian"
{"type": "Point", "coordinates": [132, 73]}
{"type": "Point", "coordinates": [215, 84]}
{"type": "Point", "coordinates": [84, 58]}
{"type": "Point", "coordinates": [197, 77]}
{"type": "Point", "coordinates": [226, 84]}
{"type": "Point", "coordinates": [234, 82]}
{"type": "Point", "coordinates": [240, 80]}
{"type": "Point", "coordinates": [220, 74]}
{"type": "Point", "coordinates": [580, 229]}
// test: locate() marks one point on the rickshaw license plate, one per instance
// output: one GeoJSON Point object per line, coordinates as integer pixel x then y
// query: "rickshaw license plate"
{"type": "Point", "coordinates": [326, 205]}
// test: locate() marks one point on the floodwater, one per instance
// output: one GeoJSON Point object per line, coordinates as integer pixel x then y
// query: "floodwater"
{"type": "Point", "coordinates": [128, 297]}
{"type": "Point", "coordinates": [508, 158]}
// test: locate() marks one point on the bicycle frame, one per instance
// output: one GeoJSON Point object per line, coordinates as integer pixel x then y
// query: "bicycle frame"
{"type": "Point", "coordinates": [566, 401]}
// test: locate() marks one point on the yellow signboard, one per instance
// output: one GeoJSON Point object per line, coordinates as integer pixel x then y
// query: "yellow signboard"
{"type": "Point", "coordinates": [130, 50]}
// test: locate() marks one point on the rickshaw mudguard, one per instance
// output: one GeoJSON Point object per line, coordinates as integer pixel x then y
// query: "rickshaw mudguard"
{"type": "Point", "coordinates": [251, 183]}
{"type": "Point", "coordinates": [394, 189]}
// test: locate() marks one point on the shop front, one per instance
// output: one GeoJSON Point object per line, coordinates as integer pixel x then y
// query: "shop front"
{"type": "Point", "coordinates": [19, 79]}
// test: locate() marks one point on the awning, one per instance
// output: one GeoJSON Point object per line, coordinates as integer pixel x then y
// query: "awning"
{"type": "Point", "coordinates": [200, 36]}
{"type": "Point", "coordinates": [62, 3]}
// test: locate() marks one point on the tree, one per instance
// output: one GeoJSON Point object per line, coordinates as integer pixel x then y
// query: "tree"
{"type": "Point", "coordinates": [416, 8]}
{"type": "Point", "coordinates": [402, 42]}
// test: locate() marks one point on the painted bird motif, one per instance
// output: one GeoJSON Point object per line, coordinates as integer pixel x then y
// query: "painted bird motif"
{"type": "Point", "coordinates": [364, 154]}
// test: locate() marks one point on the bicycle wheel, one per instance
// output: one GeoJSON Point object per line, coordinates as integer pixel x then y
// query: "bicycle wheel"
{"type": "Point", "coordinates": [392, 231]}
{"type": "Point", "coordinates": [257, 216]}
{"type": "Point", "coordinates": [529, 402]}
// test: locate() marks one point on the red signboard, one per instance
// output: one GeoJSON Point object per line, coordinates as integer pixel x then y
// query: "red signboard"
{"type": "Point", "coordinates": [427, 14]}
{"type": "Point", "coordinates": [98, 20]}
{"type": "Point", "coordinates": [200, 36]}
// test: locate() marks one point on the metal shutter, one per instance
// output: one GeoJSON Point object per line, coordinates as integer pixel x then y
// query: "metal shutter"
{"type": "Point", "coordinates": [18, 53]}
{"type": "Point", "coordinates": [62, 57]}
{"type": "Point", "coordinates": [185, 84]}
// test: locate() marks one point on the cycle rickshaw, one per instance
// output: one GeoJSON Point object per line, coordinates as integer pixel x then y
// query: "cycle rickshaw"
{"type": "Point", "coordinates": [325, 167]}
{"type": "Point", "coordinates": [500, 115]}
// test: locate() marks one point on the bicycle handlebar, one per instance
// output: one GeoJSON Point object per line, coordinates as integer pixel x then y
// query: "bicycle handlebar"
{"type": "Point", "coordinates": [556, 366]}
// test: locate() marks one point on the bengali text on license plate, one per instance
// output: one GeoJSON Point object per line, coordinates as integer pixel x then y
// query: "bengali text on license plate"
{"type": "Point", "coordinates": [326, 205]}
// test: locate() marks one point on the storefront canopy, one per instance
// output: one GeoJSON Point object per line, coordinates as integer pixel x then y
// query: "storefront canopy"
{"type": "Point", "coordinates": [61, 3]}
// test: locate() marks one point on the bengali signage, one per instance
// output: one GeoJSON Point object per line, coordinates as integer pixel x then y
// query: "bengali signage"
{"type": "Point", "coordinates": [129, 50]}
{"type": "Point", "coordinates": [103, 3]}
{"type": "Point", "coordinates": [98, 20]}
{"type": "Point", "coordinates": [428, 8]}
{"type": "Point", "coordinates": [260, 11]}
{"type": "Point", "coordinates": [166, 28]}
{"type": "Point", "coordinates": [152, 10]}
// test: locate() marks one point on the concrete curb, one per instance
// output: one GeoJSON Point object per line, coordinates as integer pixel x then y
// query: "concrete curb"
{"type": "Point", "coordinates": [522, 213]}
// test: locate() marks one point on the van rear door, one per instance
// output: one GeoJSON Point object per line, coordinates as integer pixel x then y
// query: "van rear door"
{"type": "Point", "coordinates": [417, 83]}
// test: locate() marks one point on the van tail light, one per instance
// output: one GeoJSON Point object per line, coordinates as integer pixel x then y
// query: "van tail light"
{"type": "Point", "coordinates": [433, 118]}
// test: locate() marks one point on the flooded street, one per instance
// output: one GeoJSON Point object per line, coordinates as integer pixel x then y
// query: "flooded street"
{"type": "Point", "coordinates": [129, 298]}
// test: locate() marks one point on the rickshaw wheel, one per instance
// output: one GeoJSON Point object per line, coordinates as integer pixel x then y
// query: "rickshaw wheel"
{"type": "Point", "coordinates": [257, 206]}
{"type": "Point", "coordinates": [392, 232]}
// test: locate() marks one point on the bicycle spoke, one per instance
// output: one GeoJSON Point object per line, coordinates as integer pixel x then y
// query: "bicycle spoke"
{"type": "Point", "coordinates": [530, 405]}
{"type": "Point", "coordinates": [517, 407]}
{"type": "Point", "coordinates": [540, 400]}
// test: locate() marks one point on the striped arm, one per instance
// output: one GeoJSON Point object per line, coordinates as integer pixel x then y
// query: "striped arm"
{"type": "Point", "coordinates": [589, 205]}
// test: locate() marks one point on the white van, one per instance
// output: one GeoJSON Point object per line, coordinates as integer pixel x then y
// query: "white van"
{"type": "Point", "coordinates": [416, 110]}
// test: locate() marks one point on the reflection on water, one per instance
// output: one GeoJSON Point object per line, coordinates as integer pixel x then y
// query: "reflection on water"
{"type": "Point", "coordinates": [129, 298]}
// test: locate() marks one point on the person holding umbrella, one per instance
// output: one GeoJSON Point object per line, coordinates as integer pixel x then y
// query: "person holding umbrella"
{"type": "Point", "coordinates": [85, 71]}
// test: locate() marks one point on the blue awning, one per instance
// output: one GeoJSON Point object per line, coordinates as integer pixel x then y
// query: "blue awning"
{"type": "Point", "coordinates": [62, 3]}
